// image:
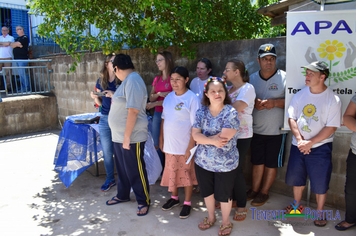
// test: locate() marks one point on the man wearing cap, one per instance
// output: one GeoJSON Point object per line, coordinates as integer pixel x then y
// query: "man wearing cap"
{"type": "Point", "coordinates": [6, 52]}
{"type": "Point", "coordinates": [267, 143]}
{"type": "Point", "coordinates": [314, 114]}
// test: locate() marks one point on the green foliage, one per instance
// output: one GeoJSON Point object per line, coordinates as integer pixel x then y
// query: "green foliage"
{"type": "Point", "coordinates": [343, 75]}
{"type": "Point", "coordinates": [152, 24]}
{"type": "Point", "coordinates": [268, 31]}
{"type": "Point", "coordinates": [271, 32]}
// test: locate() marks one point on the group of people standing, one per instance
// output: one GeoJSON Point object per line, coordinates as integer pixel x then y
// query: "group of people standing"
{"type": "Point", "coordinates": [15, 49]}
{"type": "Point", "coordinates": [221, 122]}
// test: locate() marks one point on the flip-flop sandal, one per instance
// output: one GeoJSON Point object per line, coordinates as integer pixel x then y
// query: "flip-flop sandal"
{"type": "Point", "coordinates": [222, 228]}
{"type": "Point", "coordinates": [237, 214]}
{"type": "Point", "coordinates": [116, 201]}
{"type": "Point", "coordinates": [140, 208]}
{"type": "Point", "coordinates": [339, 227]}
{"type": "Point", "coordinates": [206, 222]}
{"type": "Point", "coordinates": [320, 225]}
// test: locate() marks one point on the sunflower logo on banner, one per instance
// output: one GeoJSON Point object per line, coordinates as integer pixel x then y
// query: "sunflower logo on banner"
{"type": "Point", "coordinates": [332, 51]}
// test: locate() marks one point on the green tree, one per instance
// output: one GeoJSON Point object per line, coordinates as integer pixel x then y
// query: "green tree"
{"type": "Point", "coordinates": [269, 31]}
{"type": "Point", "coordinates": [145, 23]}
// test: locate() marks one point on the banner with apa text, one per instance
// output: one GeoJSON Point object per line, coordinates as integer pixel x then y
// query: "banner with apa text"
{"type": "Point", "coordinates": [328, 36]}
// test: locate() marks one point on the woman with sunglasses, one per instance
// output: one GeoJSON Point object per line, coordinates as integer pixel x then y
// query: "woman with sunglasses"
{"type": "Point", "coordinates": [107, 83]}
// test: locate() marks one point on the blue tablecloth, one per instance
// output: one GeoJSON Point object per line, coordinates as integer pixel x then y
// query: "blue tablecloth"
{"type": "Point", "coordinates": [78, 144]}
{"type": "Point", "coordinates": [77, 149]}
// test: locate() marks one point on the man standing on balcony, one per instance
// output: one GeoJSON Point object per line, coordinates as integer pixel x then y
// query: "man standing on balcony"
{"type": "Point", "coordinates": [20, 47]}
{"type": "Point", "coordinates": [6, 53]}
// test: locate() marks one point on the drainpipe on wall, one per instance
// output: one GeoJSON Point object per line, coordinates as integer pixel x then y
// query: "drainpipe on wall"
{"type": "Point", "coordinates": [322, 5]}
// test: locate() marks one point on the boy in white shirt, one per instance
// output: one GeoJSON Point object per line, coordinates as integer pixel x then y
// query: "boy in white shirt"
{"type": "Point", "coordinates": [314, 115]}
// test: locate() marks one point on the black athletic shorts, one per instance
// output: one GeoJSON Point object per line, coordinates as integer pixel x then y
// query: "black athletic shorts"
{"type": "Point", "coordinates": [268, 150]}
{"type": "Point", "coordinates": [220, 184]}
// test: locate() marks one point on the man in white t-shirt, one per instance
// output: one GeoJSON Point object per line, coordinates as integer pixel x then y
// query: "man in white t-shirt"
{"type": "Point", "coordinates": [314, 115]}
{"type": "Point", "coordinates": [6, 52]}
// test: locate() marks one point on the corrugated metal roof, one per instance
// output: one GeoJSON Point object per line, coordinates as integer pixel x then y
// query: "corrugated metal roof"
{"type": "Point", "coordinates": [13, 6]}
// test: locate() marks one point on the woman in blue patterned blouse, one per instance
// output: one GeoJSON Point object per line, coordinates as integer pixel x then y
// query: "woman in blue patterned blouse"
{"type": "Point", "coordinates": [215, 131]}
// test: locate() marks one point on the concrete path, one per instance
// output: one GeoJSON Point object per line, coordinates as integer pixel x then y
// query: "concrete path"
{"type": "Point", "coordinates": [35, 202]}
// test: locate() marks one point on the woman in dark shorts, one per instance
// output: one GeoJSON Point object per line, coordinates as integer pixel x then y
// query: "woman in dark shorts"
{"type": "Point", "coordinates": [216, 158]}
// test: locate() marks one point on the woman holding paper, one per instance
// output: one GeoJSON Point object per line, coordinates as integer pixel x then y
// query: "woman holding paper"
{"type": "Point", "coordinates": [216, 159]}
{"type": "Point", "coordinates": [179, 108]}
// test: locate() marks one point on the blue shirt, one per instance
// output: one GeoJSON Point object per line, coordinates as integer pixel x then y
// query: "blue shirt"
{"type": "Point", "coordinates": [210, 157]}
{"type": "Point", "coordinates": [106, 102]}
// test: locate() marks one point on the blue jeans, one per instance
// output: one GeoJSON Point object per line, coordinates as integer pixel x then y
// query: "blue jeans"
{"type": "Point", "coordinates": [156, 128]}
{"type": "Point", "coordinates": [24, 80]}
{"type": "Point", "coordinates": [107, 146]}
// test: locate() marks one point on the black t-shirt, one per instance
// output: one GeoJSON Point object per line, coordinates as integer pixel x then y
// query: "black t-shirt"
{"type": "Point", "coordinates": [21, 53]}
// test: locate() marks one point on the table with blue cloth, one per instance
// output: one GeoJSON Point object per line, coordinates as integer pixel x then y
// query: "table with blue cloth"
{"type": "Point", "coordinates": [78, 147]}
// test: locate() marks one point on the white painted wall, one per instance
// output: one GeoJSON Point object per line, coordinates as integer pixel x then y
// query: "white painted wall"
{"type": "Point", "coordinates": [16, 2]}
{"type": "Point", "coordinates": [309, 5]}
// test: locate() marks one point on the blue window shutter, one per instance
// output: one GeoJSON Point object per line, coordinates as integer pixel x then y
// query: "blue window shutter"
{"type": "Point", "coordinates": [19, 17]}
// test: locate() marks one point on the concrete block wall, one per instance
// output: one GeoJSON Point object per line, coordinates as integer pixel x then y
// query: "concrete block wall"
{"type": "Point", "coordinates": [73, 89]}
{"type": "Point", "coordinates": [27, 114]}
{"type": "Point", "coordinates": [73, 93]}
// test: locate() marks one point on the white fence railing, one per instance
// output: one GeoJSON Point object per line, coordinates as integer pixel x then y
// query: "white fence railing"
{"type": "Point", "coordinates": [25, 77]}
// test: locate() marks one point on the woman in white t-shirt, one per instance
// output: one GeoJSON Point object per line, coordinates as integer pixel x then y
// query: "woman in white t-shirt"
{"type": "Point", "coordinates": [204, 71]}
{"type": "Point", "coordinates": [242, 96]}
{"type": "Point", "coordinates": [179, 108]}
